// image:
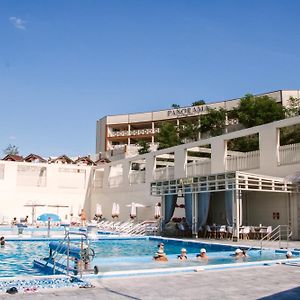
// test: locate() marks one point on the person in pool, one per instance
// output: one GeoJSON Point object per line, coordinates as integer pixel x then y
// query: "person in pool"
{"type": "Point", "coordinates": [160, 256]}
{"type": "Point", "coordinates": [2, 241]}
{"type": "Point", "coordinates": [161, 246]}
{"type": "Point", "coordinates": [289, 255]}
{"type": "Point", "coordinates": [239, 253]}
{"type": "Point", "coordinates": [202, 254]}
{"type": "Point", "coordinates": [182, 255]}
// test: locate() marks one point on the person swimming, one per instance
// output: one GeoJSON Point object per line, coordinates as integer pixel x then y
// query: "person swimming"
{"type": "Point", "coordinates": [289, 254]}
{"type": "Point", "coordinates": [160, 256]}
{"type": "Point", "coordinates": [239, 253]}
{"type": "Point", "coordinates": [202, 254]}
{"type": "Point", "coordinates": [182, 255]}
{"type": "Point", "coordinates": [2, 241]}
{"type": "Point", "coordinates": [161, 246]}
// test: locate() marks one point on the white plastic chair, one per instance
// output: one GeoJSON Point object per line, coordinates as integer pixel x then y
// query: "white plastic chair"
{"type": "Point", "coordinates": [222, 232]}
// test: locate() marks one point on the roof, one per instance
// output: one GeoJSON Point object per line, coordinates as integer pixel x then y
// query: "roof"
{"type": "Point", "coordinates": [63, 159]}
{"type": "Point", "coordinates": [13, 157]}
{"type": "Point", "coordinates": [84, 160]}
{"type": "Point", "coordinates": [101, 161]}
{"type": "Point", "coordinates": [34, 157]}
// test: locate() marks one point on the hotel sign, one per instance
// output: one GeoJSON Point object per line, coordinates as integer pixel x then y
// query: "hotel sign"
{"type": "Point", "coordinates": [186, 111]}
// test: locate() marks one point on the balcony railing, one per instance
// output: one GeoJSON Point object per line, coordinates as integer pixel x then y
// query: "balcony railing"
{"type": "Point", "coordinates": [115, 181]}
{"type": "Point", "coordinates": [136, 177]}
{"type": "Point", "coordinates": [165, 173]}
{"type": "Point", "coordinates": [198, 168]}
{"type": "Point", "coordinates": [134, 132]}
{"type": "Point", "coordinates": [289, 154]}
{"type": "Point", "coordinates": [245, 161]}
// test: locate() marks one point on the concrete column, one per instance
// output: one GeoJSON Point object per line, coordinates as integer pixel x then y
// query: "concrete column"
{"type": "Point", "coordinates": [194, 216]}
{"type": "Point", "coordinates": [128, 140]}
{"type": "Point", "coordinates": [236, 215]}
{"type": "Point", "coordinates": [179, 162]}
{"type": "Point", "coordinates": [150, 165]}
{"type": "Point", "coordinates": [218, 155]}
{"type": "Point", "coordinates": [162, 218]}
{"type": "Point", "coordinates": [126, 169]}
{"type": "Point", "coordinates": [152, 137]}
{"type": "Point", "coordinates": [268, 143]}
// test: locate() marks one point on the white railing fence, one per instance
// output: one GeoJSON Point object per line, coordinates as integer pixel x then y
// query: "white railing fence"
{"type": "Point", "coordinates": [198, 168]}
{"type": "Point", "coordinates": [245, 161]}
{"type": "Point", "coordinates": [289, 154]}
{"type": "Point", "coordinates": [136, 177]}
{"type": "Point", "coordinates": [134, 132]}
{"type": "Point", "coordinates": [115, 181]}
{"type": "Point", "coordinates": [165, 173]}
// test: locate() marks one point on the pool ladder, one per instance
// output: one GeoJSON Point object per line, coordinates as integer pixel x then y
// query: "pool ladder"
{"type": "Point", "coordinates": [280, 234]}
{"type": "Point", "coordinates": [61, 260]}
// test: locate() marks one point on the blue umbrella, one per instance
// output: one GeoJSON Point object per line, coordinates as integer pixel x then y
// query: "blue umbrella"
{"type": "Point", "coordinates": [45, 217]}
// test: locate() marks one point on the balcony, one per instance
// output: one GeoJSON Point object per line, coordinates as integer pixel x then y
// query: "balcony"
{"type": "Point", "coordinates": [289, 154]}
{"type": "Point", "coordinates": [136, 177]}
{"type": "Point", "coordinates": [244, 161]}
{"type": "Point", "coordinates": [135, 132]}
{"type": "Point", "coordinates": [198, 168]}
{"type": "Point", "coordinates": [115, 181]}
{"type": "Point", "coordinates": [165, 173]}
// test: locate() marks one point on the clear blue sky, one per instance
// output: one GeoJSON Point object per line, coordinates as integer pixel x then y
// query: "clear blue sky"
{"type": "Point", "coordinates": [66, 63]}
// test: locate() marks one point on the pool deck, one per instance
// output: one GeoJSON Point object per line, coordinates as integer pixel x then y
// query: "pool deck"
{"type": "Point", "coordinates": [265, 282]}
{"type": "Point", "coordinates": [250, 243]}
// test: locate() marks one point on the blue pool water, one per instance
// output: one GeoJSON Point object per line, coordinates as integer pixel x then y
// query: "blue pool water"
{"type": "Point", "coordinates": [17, 257]}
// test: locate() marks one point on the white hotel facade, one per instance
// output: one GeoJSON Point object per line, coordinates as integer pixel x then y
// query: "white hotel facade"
{"type": "Point", "coordinates": [119, 134]}
{"type": "Point", "coordinates": [259, 186]}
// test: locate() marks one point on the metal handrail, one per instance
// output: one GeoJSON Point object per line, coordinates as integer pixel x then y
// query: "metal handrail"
{"type": "Point", "coordinates": [279, 233]}
{"type": "Point", "coordinates": [67, 240]}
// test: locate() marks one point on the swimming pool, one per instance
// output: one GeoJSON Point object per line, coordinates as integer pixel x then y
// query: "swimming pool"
{"type": "Point", "coordinates": [32, 231]}
{"type": "Point", "coordinates": [123, 254]}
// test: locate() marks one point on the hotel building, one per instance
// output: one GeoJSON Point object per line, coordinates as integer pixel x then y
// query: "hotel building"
{"type": "Point", "coordinates": [119, 134]}
{"type": "Point", "coordinates": [237, 187]}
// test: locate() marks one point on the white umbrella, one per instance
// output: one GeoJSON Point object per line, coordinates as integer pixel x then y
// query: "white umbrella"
{"type": "Point", "coordinates": [117, 211]}
{"type": "Point", "coordinates": [98, 210]}
{"type": "Point", "coordinates": [113, 210]}
{"type": "Point", "coordinates": [133, 210]}
{"type": "Point", "coordinates": [79, 210]}
{"type": "Point", "coordinates": [71, 211]}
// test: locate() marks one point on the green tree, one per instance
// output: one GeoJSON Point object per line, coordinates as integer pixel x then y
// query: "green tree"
{"type": "Point", "coordinates": [293, 107]}
{"type": "Point", "coordinates": [168, 135]}
{"type": "Point", "coordinates": [199, 102]}
{"type": "Point", "coordinates": [253, 111]}
{"type": "Point", "coordinates": [214, 121]}
{"type": "Point", "coordinates": [290, 135]}
{"type": "Point", "coordinates": [175, 105]}
{"type": "Point", "coordinates": [189, 130]}
{"type": "Point", "coordinates": [11, 150]}
{"type": "Point", "coordinates": [144, 147]}
{"type": "Point", "coordinates": [244, 143]}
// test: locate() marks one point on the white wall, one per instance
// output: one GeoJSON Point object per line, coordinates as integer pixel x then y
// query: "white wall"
{"type": "Point", "coordinates": [65, 188]}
